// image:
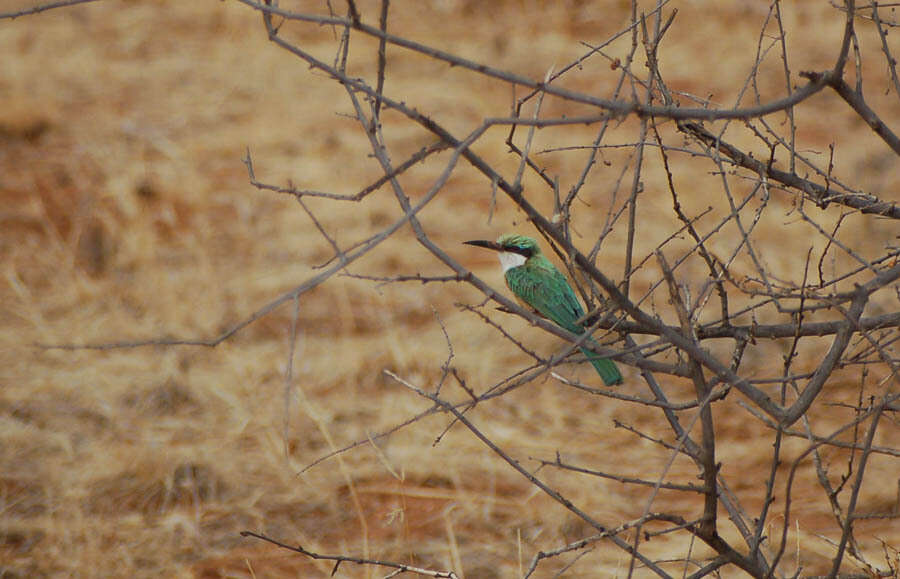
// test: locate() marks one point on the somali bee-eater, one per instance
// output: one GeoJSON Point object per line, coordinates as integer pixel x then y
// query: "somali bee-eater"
{"type": "Point", "coordinates": [540, 286]}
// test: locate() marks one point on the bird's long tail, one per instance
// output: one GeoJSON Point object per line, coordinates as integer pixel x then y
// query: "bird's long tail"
{"type": "Point", "coordinates": [605, 367]}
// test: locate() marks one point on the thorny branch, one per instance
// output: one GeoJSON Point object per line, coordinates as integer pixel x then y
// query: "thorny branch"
{"type": "Point", "coordinates": [340, 559]}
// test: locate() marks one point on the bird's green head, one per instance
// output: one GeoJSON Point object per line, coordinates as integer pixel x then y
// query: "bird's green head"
{"type": "Point", "coordinates": [520, 244]}
{"type": "Point", "coordinates": [513, 250]}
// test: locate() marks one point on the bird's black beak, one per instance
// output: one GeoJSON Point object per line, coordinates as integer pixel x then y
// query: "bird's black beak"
{"type": "Point", "coordinates": [484, 243]}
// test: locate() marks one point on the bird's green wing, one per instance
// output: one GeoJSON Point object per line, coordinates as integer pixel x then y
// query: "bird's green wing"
{"type": "Point", "coordinates": [548, 292]}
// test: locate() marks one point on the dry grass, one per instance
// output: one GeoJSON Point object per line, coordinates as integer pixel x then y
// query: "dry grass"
{"type": "Point", "coordinates": [126, 213]}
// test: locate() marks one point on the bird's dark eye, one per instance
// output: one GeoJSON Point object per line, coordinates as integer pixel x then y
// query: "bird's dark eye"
{"type": "Point", "coordinates": [524, 251]}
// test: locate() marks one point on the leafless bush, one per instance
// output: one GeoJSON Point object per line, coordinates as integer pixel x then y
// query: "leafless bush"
{"type": "Point", "coordinates": [715, 290]}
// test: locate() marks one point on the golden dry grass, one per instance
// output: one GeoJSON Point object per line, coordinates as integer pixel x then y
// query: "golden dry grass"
{"type": "Point", "coordinates": [127, 214]}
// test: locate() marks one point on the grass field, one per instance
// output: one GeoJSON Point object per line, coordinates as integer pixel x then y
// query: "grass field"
{"type": "Point", "coordinates": [127, 214]}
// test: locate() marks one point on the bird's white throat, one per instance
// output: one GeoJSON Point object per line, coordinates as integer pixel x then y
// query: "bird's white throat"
{"type": "Point", "coordinates": [509, 260]}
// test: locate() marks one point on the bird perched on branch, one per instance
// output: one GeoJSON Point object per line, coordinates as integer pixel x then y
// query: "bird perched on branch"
{"type": "Point", "coordinates": [541, 287]}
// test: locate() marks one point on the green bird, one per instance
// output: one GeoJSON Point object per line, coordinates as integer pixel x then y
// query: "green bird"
{"type": "Point", "coordinates": [541, 287]}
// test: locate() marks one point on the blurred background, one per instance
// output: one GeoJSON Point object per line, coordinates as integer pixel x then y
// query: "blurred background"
{"type": "Point", "coordinates": [126, 213]}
